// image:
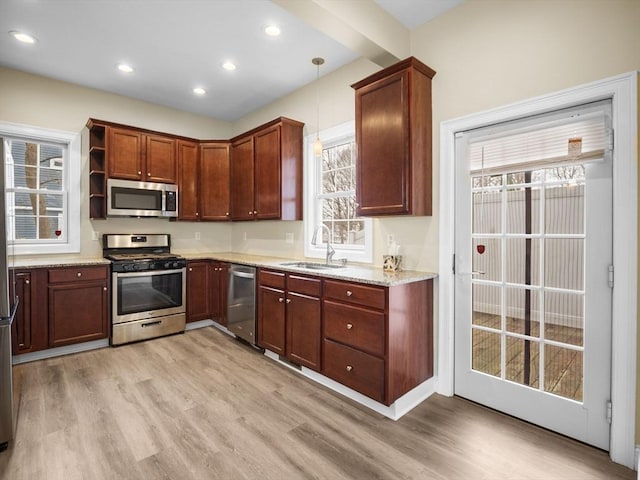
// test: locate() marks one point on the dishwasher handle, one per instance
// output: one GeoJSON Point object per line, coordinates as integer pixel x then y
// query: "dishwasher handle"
{"type": "Point", "coordinates": [242, 274]}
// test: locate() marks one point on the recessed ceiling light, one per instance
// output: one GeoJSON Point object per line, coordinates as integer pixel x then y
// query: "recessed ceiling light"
{"type": "Point", "coordinates": [23, 37]}
{"type": "Point", "coordinates": [123, 67]}
{"type": "Point", "coordinates": [272, 30]}
{"type": "Point", "coordinates": [229, 66]}
{"type": "Point", "coordinates": [199, 91]}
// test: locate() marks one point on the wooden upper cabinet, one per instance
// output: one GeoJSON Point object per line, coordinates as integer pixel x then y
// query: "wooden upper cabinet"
{"type": "Point", "coordinates": [214, 181]}
{"type": "Point", "coordinates": [266, 172]}
{"type": "Point", "coordinates": [125, 153]}
{"type": "Point", "coordinates": [160, 160]}
{"type": "Point", "coordinates": [134, 155]}
{"type": "Point", "coordinates": [188, 156]}
{"type": "Point", "coordinates": [393, 138]}
{"type": "Point", "coordinates": [242, 186]}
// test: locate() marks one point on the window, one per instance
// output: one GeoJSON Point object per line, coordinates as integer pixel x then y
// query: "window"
{"type": "Point", "coordinates": [331, 198]}
{"type": "Point", "coordinates": [42, 184]}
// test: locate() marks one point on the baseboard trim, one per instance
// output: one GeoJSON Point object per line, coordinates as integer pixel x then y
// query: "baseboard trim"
{"type": "Point", "coordinates": [59, 351]}
{"type": "Point", "coordinates": [199, 324]}
{"type": "Point", "coordinates": [395, 411]}
{"type": "Point", "coordinates": [637, 460]}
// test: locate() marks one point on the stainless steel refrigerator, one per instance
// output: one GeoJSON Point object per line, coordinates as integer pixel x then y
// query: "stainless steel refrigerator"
{"type": "Point", "coordinates": [8, 307]}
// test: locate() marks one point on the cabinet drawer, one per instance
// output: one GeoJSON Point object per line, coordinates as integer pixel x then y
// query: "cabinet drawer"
{"type": "Point", "coordinates": [70, 274]}
{"type": "Point", "coordinates": [369, 296]}
{"type": "Point", "coordinates": [355, 326]}
{"type": "Point", "coordinates": [355, 369]}
{"type": "Point", "coordinates": [304, 285]}
{"type": "Point", "coordinates": [271, 278]}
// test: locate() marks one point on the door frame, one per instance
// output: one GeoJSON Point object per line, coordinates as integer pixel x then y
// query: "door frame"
{"type": "Point", "coordinates": [623, 89]}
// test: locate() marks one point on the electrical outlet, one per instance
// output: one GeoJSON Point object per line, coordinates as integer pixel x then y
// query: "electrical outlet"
{"type": "Point", "coordinates": [197, 235]}
{"type": "Point", "coordinates": [95, 235]}
{"type": "Point", "coordinates": [389, 239]}
{"type": "Point", "coordinates": [288, 237]}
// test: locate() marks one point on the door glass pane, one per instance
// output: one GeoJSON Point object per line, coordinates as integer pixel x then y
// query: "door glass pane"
{"type": "Point", "coordinates": [487, 211]}
{"type": "Point", "coordinates": [521, 201]}
{"type": "Point", "coordinates": [522, 359]}
{"type": "Point", "coordinates": [523, 261]}
{"type": "Point", "coordinates": [523, 311]}
{"type": "Point", "coordinates": [564, 263]}
{"type": "Point", "coordinates": [563, 372]}
{"type": "Point", "coordinates": [487, 301]}
{"type": "Point", "coordinates": [564, 209]}
{"type": "Point", "coordinates": [489, 261]}
{"type": "Point", "coordinates": [564, 317]}
{"type": "Point", "coordinates": [486, 352]}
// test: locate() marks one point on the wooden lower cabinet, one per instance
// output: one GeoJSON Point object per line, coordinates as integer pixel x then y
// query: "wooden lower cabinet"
{"type": "Point", "coordinates": [218, 279]}
{"type": "Point", "coordinates": [29, 331]}
{"type": "Point", "coordinates": [289, 317]}
{"type": "Point", "coordinates": [78, 305]}
{"type": "Point", "coordinates": [198, 287]}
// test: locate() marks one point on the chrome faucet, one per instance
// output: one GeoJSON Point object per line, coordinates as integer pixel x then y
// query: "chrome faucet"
{"type": "Point", "coordinates": [314, 241]}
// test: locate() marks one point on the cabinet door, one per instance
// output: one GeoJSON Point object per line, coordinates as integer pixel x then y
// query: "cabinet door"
{"type": "Point", "coordinates": [187, 180]}
{"type": "Point", "coordinates": [22, 322]}
{"type": "Point", "coordinates": [267, 174]}
{"type": "Point", "coordinates": [303, 330]}
{"type": "Point", "coordinates": [271, 319]}
{"type": "Point", "coordinates": [382, 136]}
{"type": "Point", "coordinates": [78, 312]}
{"type": "Point", "coordinates": [160, 159]}
{"type": "Point", "coordinates": [197, 291]}
{"type": "Point", "coordinates": [125, 154]}
{"type": "Point", "coordinates": [214, 181]}
{"type": "Point", "coordinates": [242, 180]}
{"type": "Point", "coordinates": [219, 285]}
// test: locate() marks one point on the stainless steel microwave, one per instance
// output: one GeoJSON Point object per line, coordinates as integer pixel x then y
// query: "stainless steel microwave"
{"type": "Point", "coordinates": [141, 199]}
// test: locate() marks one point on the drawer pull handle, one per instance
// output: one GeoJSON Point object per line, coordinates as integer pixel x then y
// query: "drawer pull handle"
{"type": "Point", "coordinates": [349, 368]}
{"type": "Point", "coordinates": [151, 324]}
{"type": "Point", "coordinates": [281, 299]}
{"type": "Point", "coordinates": [349, 293]}
{"type": "Point", "coordinates": [349, 326]}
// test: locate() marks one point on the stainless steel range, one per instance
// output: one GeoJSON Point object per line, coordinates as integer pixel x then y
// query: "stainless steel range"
{"type": "Point", "coordinates": [148, 284]}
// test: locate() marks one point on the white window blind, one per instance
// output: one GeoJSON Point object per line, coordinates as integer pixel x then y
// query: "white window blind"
{"type": "Point", "coordinates": [575, 135]}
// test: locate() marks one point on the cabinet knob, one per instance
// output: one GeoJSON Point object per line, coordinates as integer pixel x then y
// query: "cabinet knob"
{"type": "Point", "coordinates": [148, 174]}
{"type": "Point", "coordinates": [104, 288]}
{"type": "Point", "coordinates": [139, 173]}
{"type": "Point", "coordinates": [79, 274]}
{"type": "Point", "coordinates": [281, 299]}
{"type": "Point", "coordinates": [349, 293]}
{"type": "Point", "coordinates": [27, 282]}
{"type": "Point", "coordinates": [255, 212]}
{"type": "Point", "coordinates": [349, 368]}
{"type": "Point", "coordinates": [250, 212]}
{"type": "Point", "coordinates": [197, 214]}
{"type": "Point", "coordinates": [190, 269]}
{"type": "Point", "coordinates": [288, 300]}
{"type": "Point", "coordinates": [227, 214]}
{"type": "Point", "coordinates": [349, 326]}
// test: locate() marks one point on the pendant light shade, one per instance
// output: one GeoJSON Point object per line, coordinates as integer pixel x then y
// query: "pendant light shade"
{"type": "Point", "coordinates": [317, 146]}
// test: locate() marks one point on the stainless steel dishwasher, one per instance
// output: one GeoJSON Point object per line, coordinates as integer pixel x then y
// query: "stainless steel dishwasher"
{"type": "Point", "coordinates": [241, 302]}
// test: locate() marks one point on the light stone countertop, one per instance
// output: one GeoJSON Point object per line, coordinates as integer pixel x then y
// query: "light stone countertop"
{"type": "Point", "coordinates": [352, 272]}
{"type": "Point", "coordinates": [55, 261]}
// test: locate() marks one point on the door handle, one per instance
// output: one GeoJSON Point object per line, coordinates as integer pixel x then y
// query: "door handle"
{"type": "Point", "coordinates": [475, 272]}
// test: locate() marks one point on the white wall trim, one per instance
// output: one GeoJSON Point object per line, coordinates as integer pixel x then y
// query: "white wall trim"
{"type": "Point", "coordinates": [59, 351]}
{"type": "Point", "coordinates": [623, 90]}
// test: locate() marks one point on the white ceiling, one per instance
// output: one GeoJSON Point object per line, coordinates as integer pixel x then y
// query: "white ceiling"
{"type": "Point", "coordinates": [177, 45]}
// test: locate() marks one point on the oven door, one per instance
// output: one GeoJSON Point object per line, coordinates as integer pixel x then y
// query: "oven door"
{"type": "Point", "coordinates": [142, 295]}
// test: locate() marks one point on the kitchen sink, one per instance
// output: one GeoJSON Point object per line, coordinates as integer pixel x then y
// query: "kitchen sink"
{"type": "Point", "coordinates": [311, 265]}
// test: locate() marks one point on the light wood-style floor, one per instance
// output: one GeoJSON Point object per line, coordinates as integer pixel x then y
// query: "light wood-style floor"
{"type": "Point", "coordinates": [203, 406]}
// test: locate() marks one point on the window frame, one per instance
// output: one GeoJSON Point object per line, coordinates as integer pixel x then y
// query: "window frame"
{"type": "Point", "coordinates": [71, 187]}
{"type": "Point", "coordinates": [312, 207]}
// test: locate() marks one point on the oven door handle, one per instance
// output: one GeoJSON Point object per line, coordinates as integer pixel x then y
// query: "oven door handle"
{"type": "Point", "coordinates": [151, 324]}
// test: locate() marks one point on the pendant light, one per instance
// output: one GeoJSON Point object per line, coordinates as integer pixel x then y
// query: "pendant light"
{"type": "Point", "coordinates": [317, 146]}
